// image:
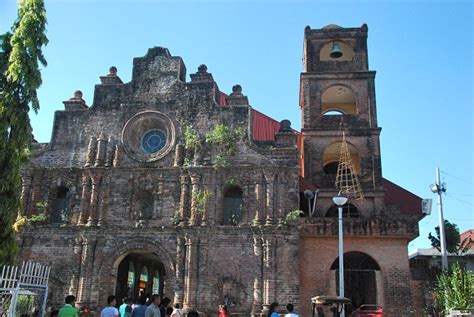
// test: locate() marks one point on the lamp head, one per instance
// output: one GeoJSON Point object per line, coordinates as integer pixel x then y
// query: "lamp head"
{"type": "Point", "coordinates": [339, 200]}
{"type": "Point", "coordinates": [434, 188]}
{"type": "Point", "coordinates": [308, 194]}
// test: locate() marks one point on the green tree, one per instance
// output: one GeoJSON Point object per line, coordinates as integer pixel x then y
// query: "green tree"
{"type": "Point", "coordinates": [20, 78]}
{"type": "Point", "coordinates": [455, 289]}
{"type": "Point", "coordinates": [452, 237]}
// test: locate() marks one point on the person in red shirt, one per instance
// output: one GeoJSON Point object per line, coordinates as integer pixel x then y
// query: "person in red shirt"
{"type": "Point", "coordinates": [223, 311]}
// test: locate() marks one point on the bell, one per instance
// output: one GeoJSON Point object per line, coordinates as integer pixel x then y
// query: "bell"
{"type": "Point", "coordinates": [335, 50]}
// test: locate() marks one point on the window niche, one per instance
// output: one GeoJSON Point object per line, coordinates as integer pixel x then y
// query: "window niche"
{"type": "Point", "coordinates": [60, 211]}
{"type": "Point", "coordinates": [233, 205]}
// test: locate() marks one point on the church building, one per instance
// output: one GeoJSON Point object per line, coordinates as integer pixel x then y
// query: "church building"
{"type": "Point", "coordinates": [170, 186]}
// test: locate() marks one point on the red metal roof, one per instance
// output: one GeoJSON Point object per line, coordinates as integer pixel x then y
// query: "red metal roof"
{"type": "Point", "coordinates": [409, 203]}
{"type": "Point", "coordinates": [263, 127]}
{"type": "Point", "coordinates": [222, 97]}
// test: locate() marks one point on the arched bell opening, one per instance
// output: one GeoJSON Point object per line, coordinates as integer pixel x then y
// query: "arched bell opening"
{"type": "Point", "coordinates": [331, 158]}
{"type": "Point", "coordinates": [338, 100]}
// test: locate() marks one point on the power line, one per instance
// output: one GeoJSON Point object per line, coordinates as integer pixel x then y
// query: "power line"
{"type": "Point", "coordinates": [460, 200]}
{"type": "Point", "coordinates": [458, 178]}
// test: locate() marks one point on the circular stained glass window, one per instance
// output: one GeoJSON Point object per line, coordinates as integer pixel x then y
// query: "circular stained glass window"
{"type": "Point", "coordinates": [153, 141]}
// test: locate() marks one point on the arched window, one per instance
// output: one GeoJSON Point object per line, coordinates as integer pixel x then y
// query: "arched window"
{"type": "Point", "coordinates": [360, 279]}
{"type": "Point", "coordinates": [232, 205]}
{"type": "Point", "coordinates": [156, 283]}
{"type": "Point", "coordinates": [331, 158]}
{"type": "Point", "coordinates": [348, 211]}
{"type": "Point", "coordinates": [131, 275]}
{"type": "Point", "coordinates": [347, 52]}
{"type": "Point", "coordinates": [60, 212]}
{"type": "Point", "coordinates": [338, 99]}
{"type": "Point", "coordinates": [144, 279]}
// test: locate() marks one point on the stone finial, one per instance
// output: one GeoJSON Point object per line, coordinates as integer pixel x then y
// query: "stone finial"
{"type": "Point", "coordinates": [285, 126]}
{"type": "Point", "coordinates": [236, 98]}
{"type": "Point", "coordinates": [236, 90]}
{"type": "Point", "coordinates": [75, 102]}
{"type": "Point", "coordinates": [111, 78]}
{"type": "Point", "coordinates": [202, 68]}
{"type": "Point", "coordinates": [112, 71]}
{"type": "Point", "coordinates": [77, 95]}
{"type": "Point", "coordinates": [285, 136]}
{"type": "Point", "coordinates": [202, 76]}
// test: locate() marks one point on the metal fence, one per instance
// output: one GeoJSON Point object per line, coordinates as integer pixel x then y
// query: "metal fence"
{"type": "Point", "coordinates": [24, 291]}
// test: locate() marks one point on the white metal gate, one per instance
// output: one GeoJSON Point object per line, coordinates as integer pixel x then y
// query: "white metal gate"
{"type": "Point", "coordinates": [24, 291]}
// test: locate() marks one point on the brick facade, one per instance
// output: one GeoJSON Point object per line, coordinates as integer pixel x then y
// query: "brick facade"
{"type": "Point", "coordinates": [122, 199]}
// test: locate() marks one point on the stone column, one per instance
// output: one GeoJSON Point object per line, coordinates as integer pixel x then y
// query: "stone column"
{"type": "Point", "coordinates": [104, 201]}
{"type": "Point", "coordinates": [180, 264]}
{"type": "Point", "coordinates": [195, 181]}
{"type": "Point", "coordinates": [259, 201]}
{"type": "Point", "coordinates": [268, 271]}
{"type": "Point", "coordinates": [36, 192]}
{"type": "Point", "coordinates": [96, 179]}
{"type": "Point", "coordinates": [85, 278]}
{"type": "Point", "coordinates": [281, 202]}
{"type": "Point", "coordinates": [257, 283]}
{"type": "Point", "coordinates": [183, 199]}
{"type": "Point", "coordinates": [76, 269]}
{"type": "Point", "coordinates": [205, 212]}
{"type": "Point", "coordinates": [91, 151]}
{"type": "Point", "coordinates": [109, 160]}
{"type": "Point", "coordinates": [83, 213]}
{"type": "Point", "coordinates": [190, 279]}
{"type": "Point", "coordinates": [270, 186]}
{"type": "Point", "coordinates": [117, 155]}
{"type": "Point", "coordinates": [101, 150]}
{"type": "Point", "coordinates": [25, 194]}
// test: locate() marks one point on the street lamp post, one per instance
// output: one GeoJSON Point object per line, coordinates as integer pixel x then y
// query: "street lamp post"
{"type": "Point", "coordinates": [438, 189]}
{"type": "Point", "coordinates": [340, 200]}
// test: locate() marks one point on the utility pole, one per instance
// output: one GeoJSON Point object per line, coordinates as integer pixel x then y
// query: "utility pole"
{"type": "Point", "coordinates": [439, 188]}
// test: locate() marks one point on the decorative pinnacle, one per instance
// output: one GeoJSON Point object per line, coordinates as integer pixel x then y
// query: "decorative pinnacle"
{"type": "Point", "coordinates": [113, 71]}
{"type": "Point", "coordinates": [236, 90]}
{"type": "Point", "coordinates": [77, 95]}
{"type": "Point", "coordinates": [202, 68]}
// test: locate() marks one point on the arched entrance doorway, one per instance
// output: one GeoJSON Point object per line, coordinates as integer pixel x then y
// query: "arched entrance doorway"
{"type": "Point", "coordinates": [360, 283]}
{"type": "Point", "coordinates": [140, 273]}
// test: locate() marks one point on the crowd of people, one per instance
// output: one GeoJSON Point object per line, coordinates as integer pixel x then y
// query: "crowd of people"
{"type": "Point", "coordinates": [153, 306]}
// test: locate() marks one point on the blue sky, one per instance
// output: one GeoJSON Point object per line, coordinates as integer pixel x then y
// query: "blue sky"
{"type": "Point", "coordinates": [421, 50]}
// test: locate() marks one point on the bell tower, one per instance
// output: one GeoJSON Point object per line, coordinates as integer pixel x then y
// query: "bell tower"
{"type": "Point", "coordinates": [337, 94]}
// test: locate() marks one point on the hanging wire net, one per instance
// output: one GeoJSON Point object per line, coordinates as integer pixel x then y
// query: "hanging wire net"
{"type": "Point", "coordinates": [347, 181]}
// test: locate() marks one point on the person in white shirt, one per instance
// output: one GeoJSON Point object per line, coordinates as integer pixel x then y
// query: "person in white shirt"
{"type": "Point", "coordinates": [289, 308]}
{"type": "Point", "coordinates": [111, 310]}
{"type": "Point", "coordinates": [176, 311]}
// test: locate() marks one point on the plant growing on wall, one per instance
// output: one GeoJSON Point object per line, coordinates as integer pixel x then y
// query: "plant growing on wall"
{"type": "Point", "coordinates": [225, 138]}
{"type": "Point", "coordinates": [176, 218]}
{"type": "Point", "coordinates": [220, 162]}
{"type": "Point", "coordinates": [191, 139]}
{"type": "Point", "coordinates": [20, 78]}
{"type": "Point", "coordinates": [293, 216]}
{"type": "Point", "coordinates": [201, 199]}
{"type": "Point", "coordinates": [455, 289]}
{"type": "Point", "coordinates": [231, 181]}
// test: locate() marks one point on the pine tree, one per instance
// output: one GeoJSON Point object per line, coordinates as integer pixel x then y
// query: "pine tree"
{"type": "Point", "coordinates": [20, 78]}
